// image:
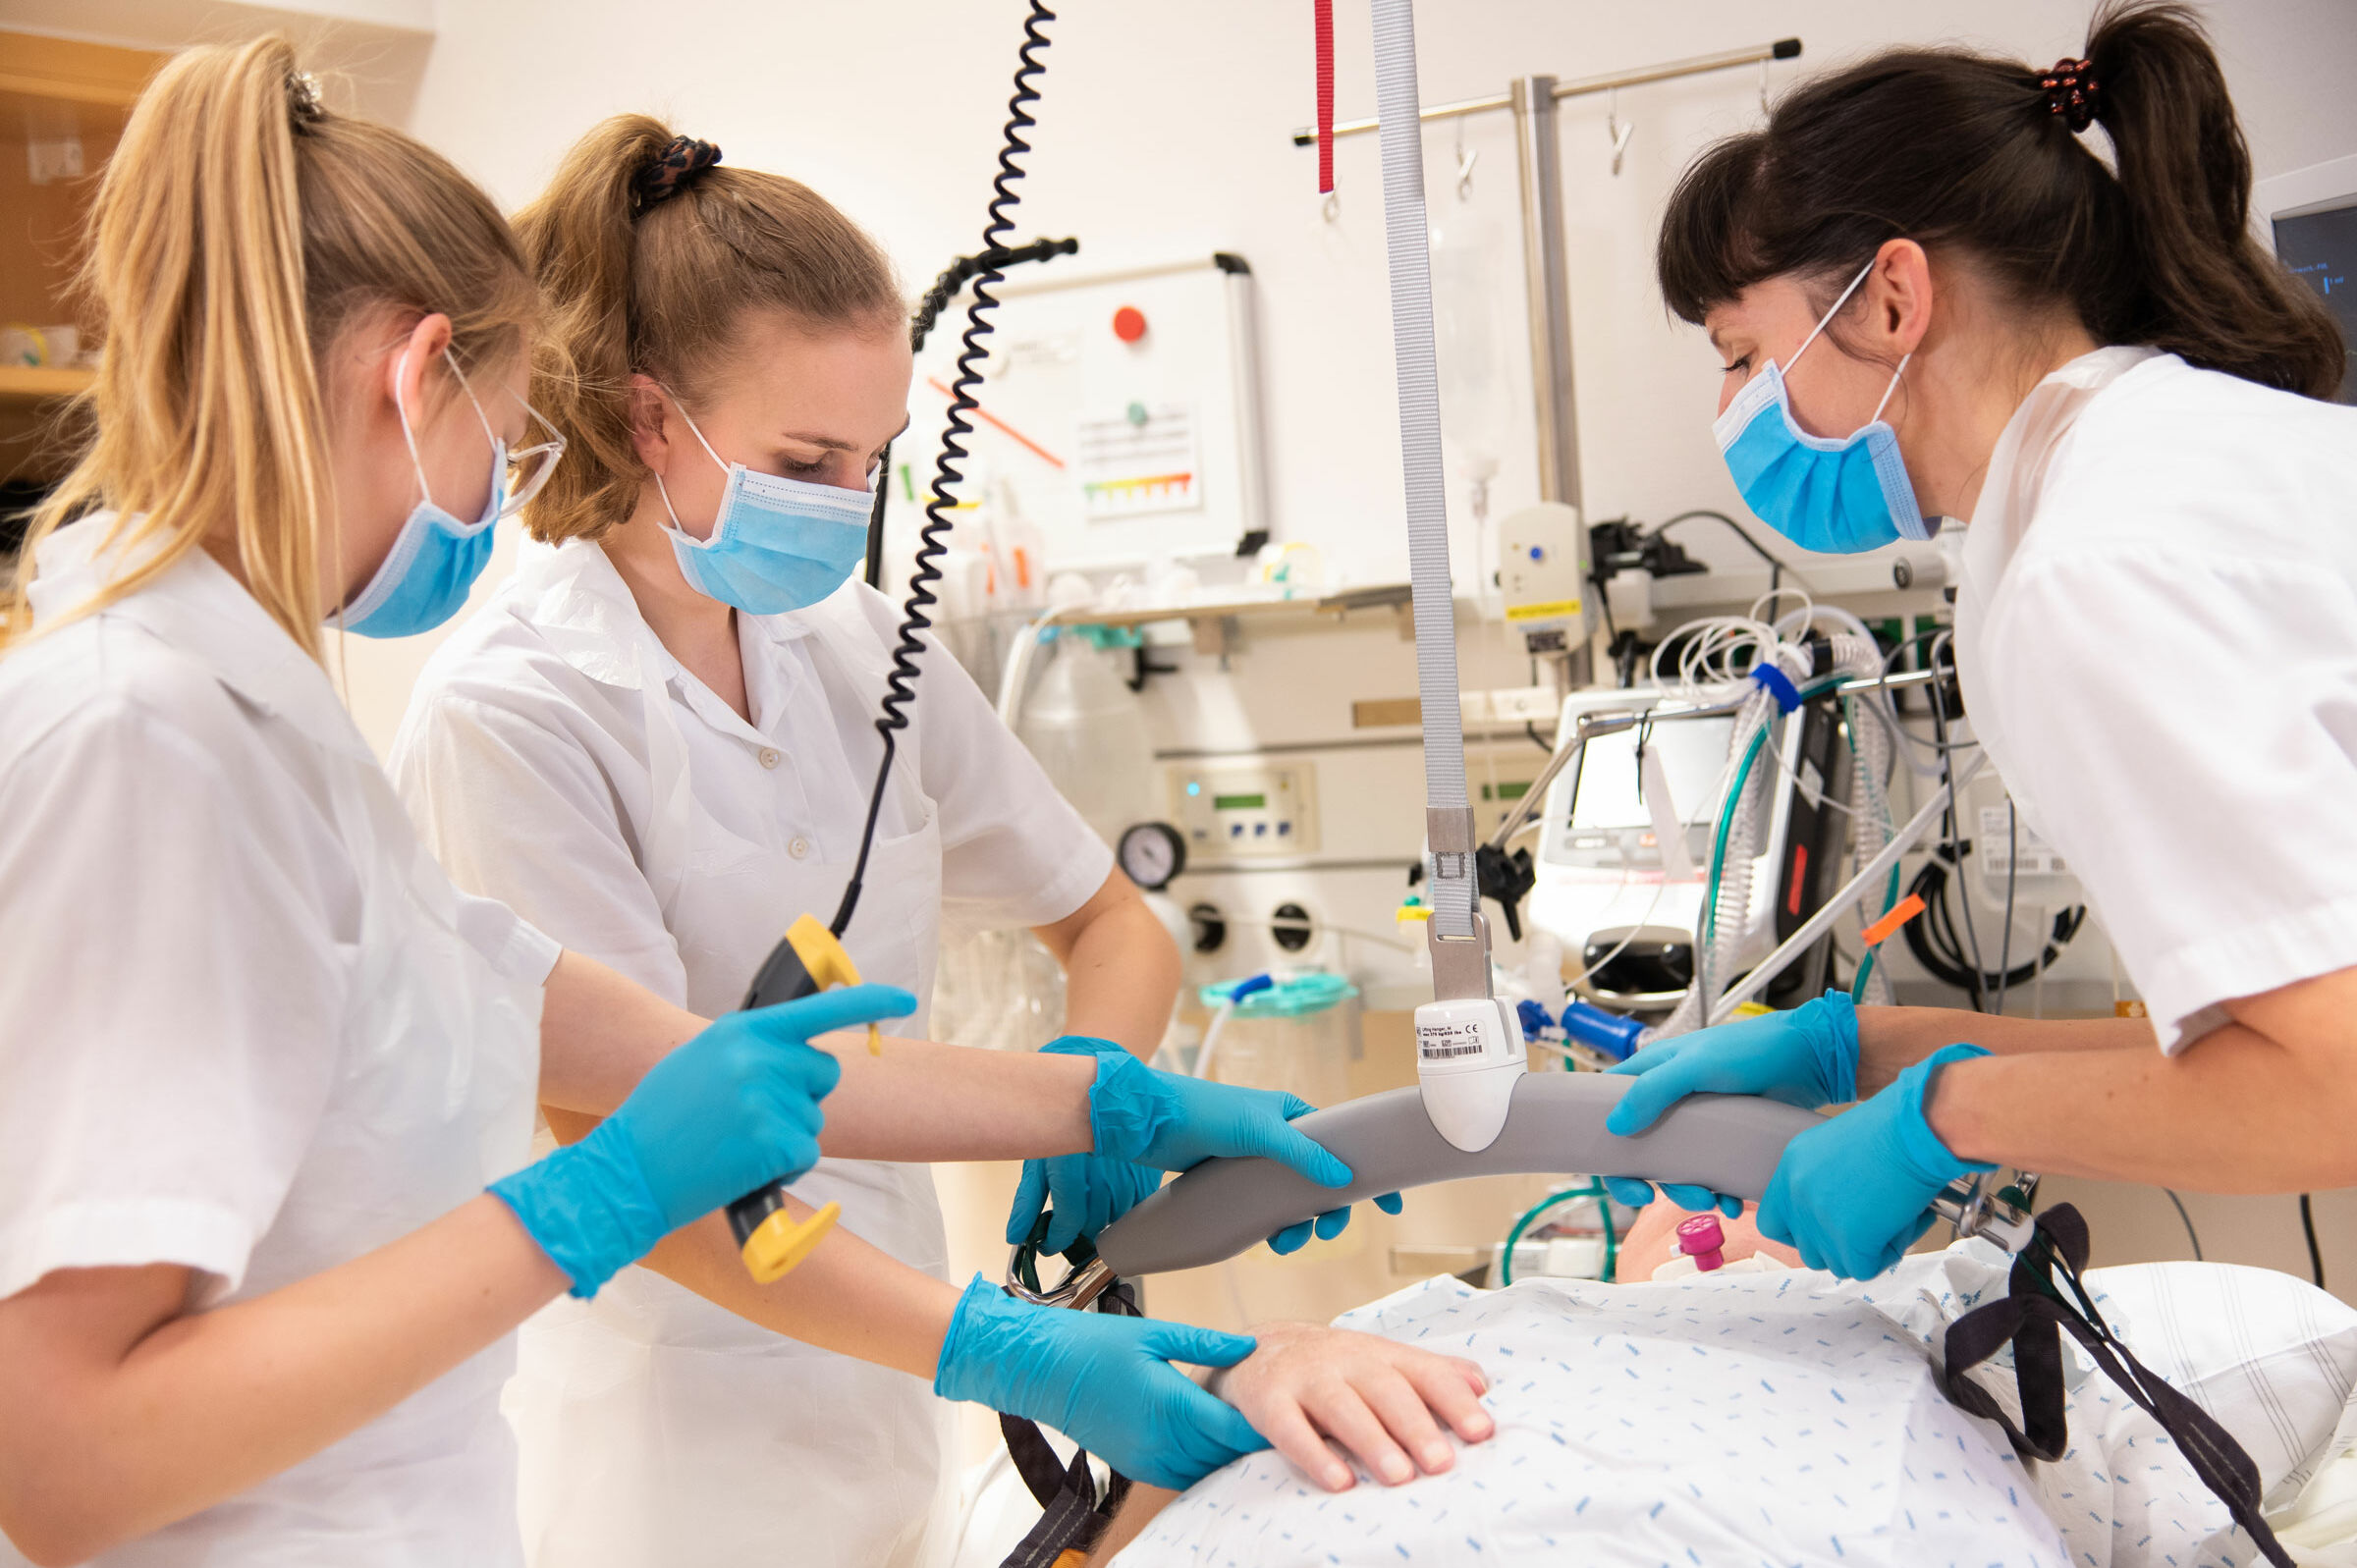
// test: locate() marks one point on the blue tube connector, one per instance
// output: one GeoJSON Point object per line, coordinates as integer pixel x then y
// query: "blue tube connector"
{"type": "Point", "coordinates": [1605, 1032]}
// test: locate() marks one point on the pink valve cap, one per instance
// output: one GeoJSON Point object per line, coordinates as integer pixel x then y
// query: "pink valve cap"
{"type": "Point", "coordinates": [1701, 1239]}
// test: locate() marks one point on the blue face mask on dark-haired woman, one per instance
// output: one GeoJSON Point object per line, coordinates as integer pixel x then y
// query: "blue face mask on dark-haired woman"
{"type": "Point", "coordinates": [1838, 495]}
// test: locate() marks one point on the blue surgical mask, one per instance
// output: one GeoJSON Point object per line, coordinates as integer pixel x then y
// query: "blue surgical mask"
{"type": "Point", "coordinates": [1835, 495]}
{"type": "Point", "coordinates": [777, 544]}
{"type": "Point", "coordinates": [435, 558]}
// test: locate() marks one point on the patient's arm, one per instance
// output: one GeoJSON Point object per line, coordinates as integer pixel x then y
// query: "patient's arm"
{"type": "Point", "coordinates": [1306, 1384]}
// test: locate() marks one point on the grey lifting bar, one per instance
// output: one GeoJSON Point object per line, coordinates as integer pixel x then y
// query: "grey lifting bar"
{"type": "Point", "coordinates": [1729, 1143]}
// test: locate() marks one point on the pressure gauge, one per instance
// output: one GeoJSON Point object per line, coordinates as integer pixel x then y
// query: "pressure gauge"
{"type": "Point", "coordinates": [1152, 853]}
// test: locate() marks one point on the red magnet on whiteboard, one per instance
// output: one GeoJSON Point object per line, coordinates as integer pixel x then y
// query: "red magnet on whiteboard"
{"type": "Point", "coordinates": [1129, 323]}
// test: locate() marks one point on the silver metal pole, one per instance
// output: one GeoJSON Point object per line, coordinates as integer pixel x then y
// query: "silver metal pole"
{"type": "Point", "coordinates": [1728, 60]}
{"type": "Point", "coordinates": [1546, 292]}
{"type": "Point", "coordinates": [1818, 924]}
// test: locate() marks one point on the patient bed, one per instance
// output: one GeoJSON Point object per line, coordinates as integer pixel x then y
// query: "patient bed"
{"type": "Point", "coordinates": [1793, 1418]}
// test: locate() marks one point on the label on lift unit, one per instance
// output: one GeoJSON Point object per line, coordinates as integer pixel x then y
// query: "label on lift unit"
{"type": "Point", "coordinates": [2037, 857]}
{"type": "Point", "coordinates": [1552, 610]}
{"type": "Point", "coordinates": [1438, 1041]}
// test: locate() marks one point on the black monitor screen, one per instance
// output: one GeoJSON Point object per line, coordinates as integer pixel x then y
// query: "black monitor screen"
{"type": "Point", "coordinates": [2322, 247]}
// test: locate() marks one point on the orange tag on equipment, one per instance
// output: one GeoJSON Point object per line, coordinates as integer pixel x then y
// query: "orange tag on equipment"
{"type": "Point", "coordinates": [1904, 910]}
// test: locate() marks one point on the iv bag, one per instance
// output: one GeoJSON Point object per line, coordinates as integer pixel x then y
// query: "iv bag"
{"type": "Point", "coordinates": [1472, 286]}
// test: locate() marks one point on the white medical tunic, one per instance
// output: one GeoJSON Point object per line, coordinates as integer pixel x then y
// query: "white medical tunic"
{"type": "Point", "coordinates": [559, 758]}
{"type": "Point", "coordinates": [2157, 635]}
{"type": "Point", "coordinates": [251, 1029]}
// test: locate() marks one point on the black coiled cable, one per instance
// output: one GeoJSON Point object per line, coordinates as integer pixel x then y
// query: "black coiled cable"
{"type": "Point", "coordinates": [954, 278]}
{"type": "Point", "coordinates": [931, 544]}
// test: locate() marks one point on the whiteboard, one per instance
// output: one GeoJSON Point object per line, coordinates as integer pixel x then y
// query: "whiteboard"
{"type": "Point", "coordinates": [1119, 453]}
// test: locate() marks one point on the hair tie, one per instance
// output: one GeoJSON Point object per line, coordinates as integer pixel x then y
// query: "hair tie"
{"type": "Point", "coordinates": [304, 106]}
{"type": "Point", "coordinates": [2071, 92]}
{"type": "Point", "coordinates": [673, 170]}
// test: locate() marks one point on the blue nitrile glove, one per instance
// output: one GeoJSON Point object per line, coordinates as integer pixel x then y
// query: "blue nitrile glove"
{"type": "Point", "coordinates": [1326, 1226]}
{"type": "Point", "coordinates": [731, 1111]}
{"type": "Point", "coordinates": [1807, 1056]}
{"type": "Point", "coordinates": [1088, 1192]}
{"type": "Point", "coordinates": [1852, 1195]}
{"type": "Point", "coordinates": [1103, 1382]}
{"type": "Point", "coordinates": [1166, 1121]}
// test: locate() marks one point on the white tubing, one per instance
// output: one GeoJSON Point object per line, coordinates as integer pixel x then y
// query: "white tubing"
{"type": "Point", "coordinates": [1211, 1038]}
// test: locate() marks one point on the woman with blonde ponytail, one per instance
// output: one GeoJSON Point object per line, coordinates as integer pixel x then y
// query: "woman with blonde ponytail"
{"type": "Point", "coordinates": [258, 1059]}
{"type": "Point", "coordinates": [659, 744]}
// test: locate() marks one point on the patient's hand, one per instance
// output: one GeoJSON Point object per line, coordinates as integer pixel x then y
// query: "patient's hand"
{"type": "Point", "coordinates": [1377, 1399]}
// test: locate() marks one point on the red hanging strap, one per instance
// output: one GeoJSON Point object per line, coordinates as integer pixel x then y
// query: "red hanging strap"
{"type": "Point", "coordinates": [1325, 26]}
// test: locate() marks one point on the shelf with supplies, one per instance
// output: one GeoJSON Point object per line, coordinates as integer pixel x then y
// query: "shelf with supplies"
{"type": "Point", "coordinates": [36, 383]}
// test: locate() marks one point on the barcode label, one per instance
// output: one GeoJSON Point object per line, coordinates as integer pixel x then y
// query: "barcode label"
{"type": "Point", "coordinates": [1440, 1041]}
{"type": "Point", "coordinates": [2037, 857]}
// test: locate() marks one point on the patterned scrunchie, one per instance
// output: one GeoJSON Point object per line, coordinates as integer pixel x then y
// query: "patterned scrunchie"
{"type": "Point", "coordinates": [673, 170]}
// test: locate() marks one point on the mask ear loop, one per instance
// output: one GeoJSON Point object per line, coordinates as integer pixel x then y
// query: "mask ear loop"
{"type": "Point", "coordinates": [499, 448]}
{"type": "Point", "coordinates": [1888, 390]}
{"type": "Point", "coordinates": [401, 374]}
{"type": "Point", "coordinates": [1832, 311]}
{"type": "Point", "coordinates": [661, 490]}
{"type": "Point", "coordinates": [691, 418]}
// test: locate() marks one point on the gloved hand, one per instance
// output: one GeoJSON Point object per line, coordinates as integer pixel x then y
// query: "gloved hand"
{"type": "Point", "coordinates": [1807, 1056]}
{"type": "Point", "coordinates": [1088, 1191]}
{"type": "Point", "coordinates": [1854, 1194]}
{"type": "Point", "coordinates": [733, 1109]}
{"type": "Point", "coordinates": [1103, 1382]}
{"type": "Point", "coordinates": [1146, 1122]}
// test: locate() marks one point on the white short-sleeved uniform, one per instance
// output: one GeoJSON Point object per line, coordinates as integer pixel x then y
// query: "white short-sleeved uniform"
{"type": "Point", "coordinates": [557, 757]}
{"type": "Point", "coordinates": [2156, 633]}
{"type": "Point", "coordinates": [249, 1027]}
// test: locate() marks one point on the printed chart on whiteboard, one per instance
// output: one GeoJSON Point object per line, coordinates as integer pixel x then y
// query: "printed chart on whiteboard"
{"type": "Point", "coordinates": [1118, 423]}
{"type": "Point", "coordinates": [1139, 461]}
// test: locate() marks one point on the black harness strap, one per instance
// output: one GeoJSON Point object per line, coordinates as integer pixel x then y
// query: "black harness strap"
{"type": "Point", "coordinates": [1073, 1516]}
{"type": "Point", "coordinates": [2032, 1317]}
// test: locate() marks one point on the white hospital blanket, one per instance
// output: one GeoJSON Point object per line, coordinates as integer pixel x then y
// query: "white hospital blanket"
{"type": "Point", "coordinates": [1793, 1418]}
{"type": "Point", "coordinates": [1752, 1420]}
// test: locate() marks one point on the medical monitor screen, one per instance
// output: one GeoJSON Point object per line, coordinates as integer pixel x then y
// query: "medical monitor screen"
{"type": "Point", "coordinates": [1693, 757]}
{"type": "Point", "coordinates": [2320, 244]}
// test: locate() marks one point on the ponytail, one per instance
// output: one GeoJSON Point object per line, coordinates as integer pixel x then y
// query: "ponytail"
{"type": "Point", "coordinates": [648, 251]}
{"type": "Point", "coordinates": [1963, 150]}
{"type": "Point", "coordinates": [239, 226]}
{"type": "Point", "coordinates": [2210, 291]}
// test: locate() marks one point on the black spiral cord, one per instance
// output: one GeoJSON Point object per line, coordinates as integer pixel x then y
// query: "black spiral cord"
{"type": "Point", "coordinates": [931, 546]}
{"type": "Point", "coordinates": [954, 278]}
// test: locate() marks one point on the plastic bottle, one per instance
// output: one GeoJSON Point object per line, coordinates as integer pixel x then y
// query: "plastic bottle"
{"type": "Point", "coordinates": [1088, 731]}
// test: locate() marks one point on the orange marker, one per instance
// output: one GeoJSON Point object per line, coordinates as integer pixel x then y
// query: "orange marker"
{"type": "Point", "coordinates": [1904, 910]}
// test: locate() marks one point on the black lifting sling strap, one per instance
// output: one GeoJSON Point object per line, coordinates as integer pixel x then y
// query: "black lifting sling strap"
{"type": "Point", "coordinates": [1074, 1517]}
{"type": "Point", "coordinates": [2031, 1316]}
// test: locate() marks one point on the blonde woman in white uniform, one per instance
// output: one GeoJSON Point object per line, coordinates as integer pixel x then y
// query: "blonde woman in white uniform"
{"type": "Point", "coordinates": [1934, 297]}
{"type": "Point", "coordinates": [659, 742]}
{"type": "Point", "coordinates": [260, 1057]}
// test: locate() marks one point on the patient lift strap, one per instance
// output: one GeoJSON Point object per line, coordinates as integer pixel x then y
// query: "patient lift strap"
{"type": "Point", "coordinates": [2031, 1316]}
{"type": "Point", "coordinates": [1457, 936]}
{"type": "Point", "coordinates": [1074, 1517]}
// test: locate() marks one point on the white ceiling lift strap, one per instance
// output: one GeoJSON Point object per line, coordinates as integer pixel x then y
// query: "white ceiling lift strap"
{"type": "Point", "coordinates": [1457, 936]}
